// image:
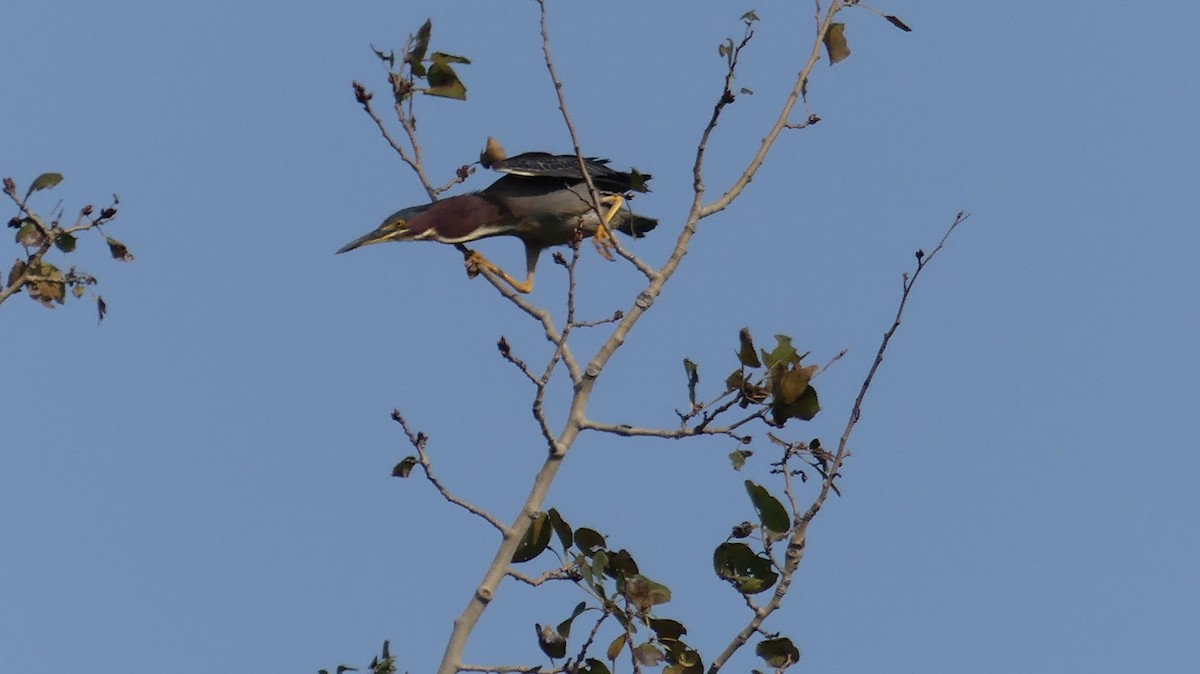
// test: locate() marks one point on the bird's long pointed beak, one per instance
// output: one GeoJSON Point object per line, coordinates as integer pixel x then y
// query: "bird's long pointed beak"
{"type": "Point", "coordinates": [364, 240]}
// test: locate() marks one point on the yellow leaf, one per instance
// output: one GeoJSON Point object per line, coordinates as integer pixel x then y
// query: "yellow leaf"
{"type": "Point", "coordinates": [835, 43]}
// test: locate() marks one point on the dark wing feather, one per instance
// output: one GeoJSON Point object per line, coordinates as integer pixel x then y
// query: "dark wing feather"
{"type": "Point", "coordinates": [566, 168]}
{"type": "Point", "coordinates": [544, 164]}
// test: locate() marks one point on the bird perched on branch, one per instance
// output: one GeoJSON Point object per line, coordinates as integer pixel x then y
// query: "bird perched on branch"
{"type": "Point", "coordinates": [542, 199]}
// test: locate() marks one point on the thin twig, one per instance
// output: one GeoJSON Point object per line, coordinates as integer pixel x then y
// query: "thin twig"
{"type": "Point", "coordinates": [797, 540]}
{"type": "Point", "coordinates": [856, 411]}
{"type": "Point", "coordinates": [585, 381]}
{"type": "Point", "coordinates": [587, 643]}
{"type": "Point", "coordinates": [562, 107]}
{"type": "Point", "coordinates": [510, 669]}
{"type": "Point", "coordinates": [561, 573]}
{"type": "Point", "coordinates": [628, 431]}
{"type": "Point", "coordinates": [781, 122]}
{"type": "Point", "coordinates": [418, 440]}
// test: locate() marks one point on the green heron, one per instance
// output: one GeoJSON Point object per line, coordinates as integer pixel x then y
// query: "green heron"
{"type": "Point", "coordinates": [542, 200]}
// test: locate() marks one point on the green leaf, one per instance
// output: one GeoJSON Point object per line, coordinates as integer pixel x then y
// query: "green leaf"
{"type": "Point", "coordinates": [746, 355]}
{"type": "Point", "coordinates": [44, 182]}
{"type": "Point", "coordinates": [593, 666]}
{"type": "Point", "coordinates": [667, 630]}
{"type": "Point", "coordinates": [118, 250]}
{"type": "Point", "coordinates": [18, 268]}
{"type": "Point", "coordinates": [779, 653]}
{"type": "Point", "coordinates": [614, 648]}
{"type": "Point", "coordinates": [788, 384]}
{"type": "Point", "coordinates": [561, 529]}
{"type": "Point", "coordinates": [441, 57]}
{"type": "Point", "coordinates": [598, 563]}
{"type": "Point", "coordinates": [684, 660]}
{"type": "Point", "coordinates": [65, 242]}
{"type": "Point", "coordinates": [804, 408]}
{"type": "Point", "coordinates": [588, 541]}
{"type": "Point", "coordinates": [749, 391]}
{"type": "Point", "coordinates": [30, 235]}
{"type": "Point", "coordinates": [564, 627]}
{"type": "Point", "coordinates": [895, 21]}
{"type": "Point", "coordinates": [771, 513]}
{"type": "Point", "coordinates": [750, 17]}
{"type": "Point", "coordinates": [620, 564]}
{"type": "Point", "coordinates": [835, 43]}
{"type": "Point", "coordinates": [404, 468]}
{"type": "Point", "coordinates": [784, 353]}
{"type": "Point", "coordinates": [535, 541]}
{"type": "Point", "coordinates": [693, 378]}
{"type": "Point", "coordinates": [645, 593]}
{"type": "Point", "coordinates": [637, 181]}
{"type": "Point", "coordinates": [750, 573]}
{"type": "Point", "coordinates": [553, 644]}
{"type": "Point", "coordinates": [49, 287]}
{"type": "Point", "coordinates": [737, 458]}
{"type": "Point", "coordinates": [420, 43]}
{"type": "Point", "coordinates": [648, 654]}
{"type": "Point", "coordinates": [444, 82]}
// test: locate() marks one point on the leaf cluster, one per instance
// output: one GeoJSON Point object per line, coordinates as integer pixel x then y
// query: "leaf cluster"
{"type": "Point", "coordinates": [422, 71]}
{"type": "Point", "coordinates": [43, 281]}
{"type": "Point", "coordinates": [618, 590]}
{"type": "Point", "coordinates": [777, 379]}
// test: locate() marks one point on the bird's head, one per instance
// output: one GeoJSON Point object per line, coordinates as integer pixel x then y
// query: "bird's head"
{"type": "Point", "coordinates": [394, 228]}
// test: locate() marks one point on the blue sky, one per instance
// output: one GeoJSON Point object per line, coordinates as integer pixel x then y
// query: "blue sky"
{"type": "Point", "coordinates": [201, 482]}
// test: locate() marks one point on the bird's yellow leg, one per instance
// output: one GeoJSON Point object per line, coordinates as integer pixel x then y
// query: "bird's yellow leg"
{"type": "Point", "coordinates": [617, 203]}
{"type": "Point", "coordinates": [603, 237]}
{"type": "Point", "coordinates": [476, 262]}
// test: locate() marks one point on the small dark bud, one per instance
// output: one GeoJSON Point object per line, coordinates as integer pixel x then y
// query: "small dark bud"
{"type": "Point", "coordinates": [559, 259]}
{"type": "Point", "coordinates": [505, 349]}
{"type": "Point", "coordinates": [15, 222]}
{"type": "Point", "coordinates": [107, 213]}
{"type": "Point", "coordinates": [920, 254]}
{"type": "Point", "coordinates": [464, 171]}
{"type": "Point", "coordinates": [401, 87]}
{"type": "Point", "coordinates": [742, 530]}
{"type": "Point", "coordinates": [727, 97]}
{"type": "Point", "coordinates": [10, 187]}
{"type": "Point", "coordinates": [361, 94]}
{"type": "Point", "coordinates": [815, 444]}
{"type": "Point", "coordinates": [813, 119]}
{"type": "Point", "coordinates": [618, 315]}
{"type": "Point", "coordinates": [86, 210]}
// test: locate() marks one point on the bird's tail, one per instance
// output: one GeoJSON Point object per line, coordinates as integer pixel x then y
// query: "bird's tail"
{"type": "Point", "coordinates": [636, 225]}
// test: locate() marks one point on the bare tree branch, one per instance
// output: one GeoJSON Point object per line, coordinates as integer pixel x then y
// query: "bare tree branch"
{"type": "Point", "coordinates": [418, 441]}
{"type": "Point", "coordinates": [780, 124]}
{"type": "Point", "coordinates": [799, 534]}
